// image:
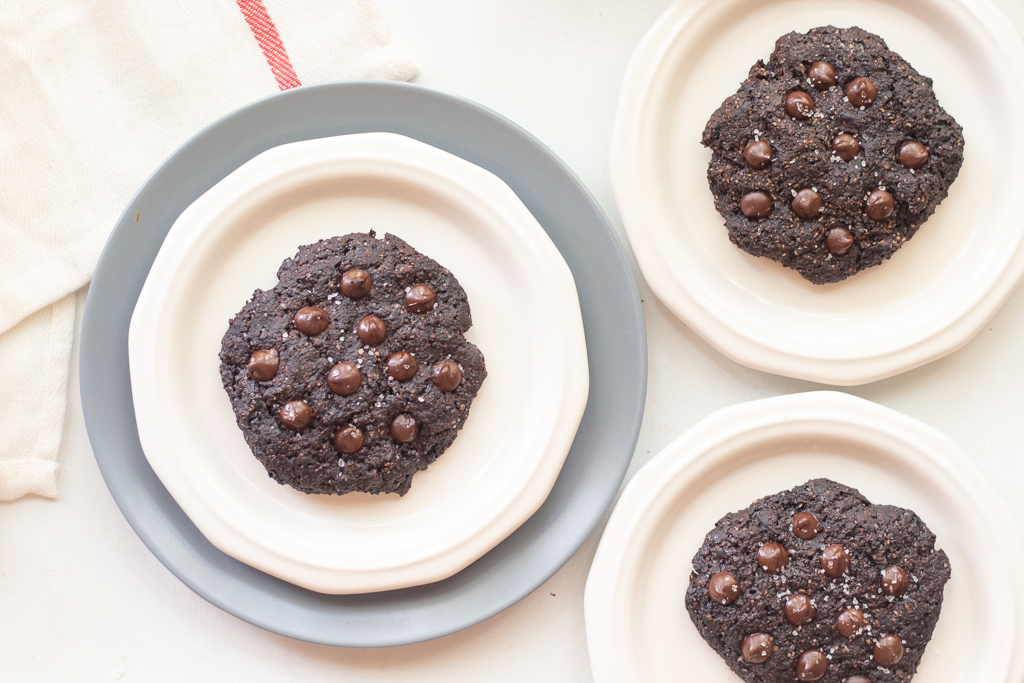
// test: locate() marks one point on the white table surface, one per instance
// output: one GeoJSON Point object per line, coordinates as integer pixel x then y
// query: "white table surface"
{"type": "Point", "coordinates": [82, 599]}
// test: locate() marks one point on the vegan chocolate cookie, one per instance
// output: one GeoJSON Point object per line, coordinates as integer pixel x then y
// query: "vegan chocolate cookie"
{"type": "Point", "coordinates": [352, 373]}
{"type": "Point", "coordinates": [818, 584]}
{"type": "Point", "coordinates": [831, 155]}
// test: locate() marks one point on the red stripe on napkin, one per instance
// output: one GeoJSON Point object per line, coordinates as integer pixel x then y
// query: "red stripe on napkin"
{"type": "Point", "coordinates": [270, 42]}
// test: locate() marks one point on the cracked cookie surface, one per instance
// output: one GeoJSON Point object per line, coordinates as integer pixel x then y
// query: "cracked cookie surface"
{"type": "Point", "coordinates": [831, 155]}
{"type": "Point", "coordinates": [353, 372]}
{"type": "Point", "coordinates": [818, 584]}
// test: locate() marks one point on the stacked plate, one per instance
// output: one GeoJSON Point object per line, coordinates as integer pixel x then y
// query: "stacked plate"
{"type": "Point", "coordinates": [555, 311]}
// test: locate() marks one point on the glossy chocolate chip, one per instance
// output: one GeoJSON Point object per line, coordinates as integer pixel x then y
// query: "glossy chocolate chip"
{"type": "Point", "coordinates": [811, 666]}
{"type": "Point", "coordinates": [756, 205]}
{"type": "Point", "coordinates": [772, 557]}
{"type": "Point", "coordinates": [420, 298]}
{"type": "Point", "coordinates": [805, 525]}
{"type": "Point", "coordinates": [835, 560]}
{"type": "Point", "coordinates": [295, 415]}
{"type": "Point", "coordinates": [822, 75]}
{"type": "Point", "coordinates": [888, 650]}
{"type": "Point", "coordinates": [800, 610]}
{"type": "Point", "coordinates": [447, 375]}
{"type": "Point", "coordinates": [356, 283]}
{"type": "Point", "coordinates": [348, 439]}
{"type": "Point", "coordinates": [879, 205]}
{"type": "Point", "coordinates": [861, 92]}
{"type": "Point", "coordinates": [404, 428]}
{"type": "Point", "coordinates": [895, 581]}
{"type": "Point", "coordinates": [372, 330]}
{"type": "Point", "coordinates": [850, 622]}
{"type": "Point", "coordinates": [806, 204]}
{"type": "Point", "coordinates": [845, 146]}
{"type": "Point", "coordinates": [723, 588]}
{"type": "Point", "coordinates": [913, 154]}
{"type": "Point", "coordinates": [757, 648]}
{"type": "Point", "coordinates": [344, 379]}
{"type": "Point", "coordinates": [758, 154]}
{"type": "Point", "coordinates": [799, 105]}
{"type": "Point", "coordinates": [312, 320]}
{"type": "Point", "coordinates": [263, 365]}
{"type": "Point", "coordinates": [402, 365]}
{"type": "Point", "coordinates": [839, 241]}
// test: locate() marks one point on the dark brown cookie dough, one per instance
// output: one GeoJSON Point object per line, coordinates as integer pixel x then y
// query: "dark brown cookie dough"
{"type": "Point", "coordinates": [818, 584]}
{"type": "Point", "coordinates": [833, 118]}
{"type": "Point", "coordinates": [333, 373]}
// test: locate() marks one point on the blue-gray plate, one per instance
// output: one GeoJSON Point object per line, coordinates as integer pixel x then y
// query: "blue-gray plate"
{"type": "Point", "coordinates": [616, 345]}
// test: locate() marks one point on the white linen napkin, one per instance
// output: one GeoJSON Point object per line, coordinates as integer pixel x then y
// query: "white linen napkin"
{"type": "Point", "coordinates": [94, 94]}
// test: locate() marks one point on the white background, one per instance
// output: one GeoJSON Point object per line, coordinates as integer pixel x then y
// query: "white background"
{"type": "Point", "coordinates": [81, 598]}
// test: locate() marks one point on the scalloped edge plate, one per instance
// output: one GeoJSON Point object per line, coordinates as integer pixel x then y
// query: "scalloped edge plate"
{"type": "Point", "coordinates": [502, 464]}
{"type": "Point", "coordinates": [637, 625]}
{"type": "Point", "coordinates": [930, 298]}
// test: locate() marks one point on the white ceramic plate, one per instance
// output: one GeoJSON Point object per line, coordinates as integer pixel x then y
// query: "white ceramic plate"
{"type": "Point", "coordinates": [527, 323]}
{"type": "Point", "coordinates": [930, 298]}
{"type": "Point", "coordinates": [638, 628]}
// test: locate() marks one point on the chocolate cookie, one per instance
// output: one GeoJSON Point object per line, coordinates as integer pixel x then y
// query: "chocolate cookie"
{"type": "Point", "coordinates": [831, 155]}
{"type": "Point", "coordinates": [352, 373]}
{"type": "Point", "coordinates": [818, 584]}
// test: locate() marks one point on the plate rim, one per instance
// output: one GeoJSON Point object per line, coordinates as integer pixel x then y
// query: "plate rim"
{"type": "Point", "coordinates": [596, 463]}
{"type": "Point", "coordinates": [565, 396]}
{"type": "Point", "coordinates": [690, 455]}
{"type": "Point", "coordinates": [692, 305]}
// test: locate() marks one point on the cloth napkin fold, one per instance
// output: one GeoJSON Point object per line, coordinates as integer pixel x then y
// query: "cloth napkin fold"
{"type": "Point", "coordinates": [94, 94]}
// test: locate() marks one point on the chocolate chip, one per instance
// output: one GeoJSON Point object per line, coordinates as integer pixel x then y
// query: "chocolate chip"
{"type": "Point", "coordinates": [757, 648]}
{"type": "Point", "coordinates": [839, 241]}
{"type": "Point", "coordinates": [835, 560]}
{"type": "Point", "coordinates": [845, 146]}
{"type": "Point", "coordinates": [723, 588]}
{"type": "Point", "coordinates": [344, 379]}
{"type": "Point", "coordinates": [800, 610]}
{"type": "Point", "coordinates": [861, 92]}
{"type": "Point", "coordinates": [913, 154]}
{"type": "Point", "coordinates": [402, 365]}
{"type": "Point", "coordinates": [263, 365]}
{"type": "Point", "coordinates": [888, 650]}
{"type": "Point", "coordinates": [348, 439]}
{"type": "Point", "coordinates": [772, 557]}
{"type": "Point", "coordinates": [850, 622]}
{"type": "Point", "coordinates": [758, 154]}
{"type": "Point", "coordinates": [372, 330]}
{"type": "Point", "coordinates": [811, 666]}
{"type": "Point", "coordinates": [312, 320]}
{"type": "Point", "coordinates": [879, 205]}
{"type": "Point", "coordinates": [420, 298]}
{"type": "Point", "coordinates": [806, 204]}
{"type": "Point", "coordinates": [404, 428]}
{"type": "Point", "coordinates": [356, 283]}
{"type": "Point", "coordinates": [805, 525]}
{"type": "Point", "coordinates": [756, 205]}
{"type": "Point", "coordinates": [895, 581]}
{"type": "Point", "coordinates": [447, 375]}
{"type": "Point", "coordinates": [295, 415]}
{"type": "Point", "coordinates": [799, 105]}
{"type": "Point", "coordinates": [822, 75]}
